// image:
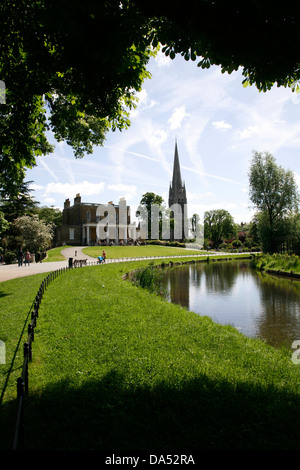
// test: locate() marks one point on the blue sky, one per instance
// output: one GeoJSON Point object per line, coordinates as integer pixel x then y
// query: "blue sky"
{"type": "Point", "coordinates": [217, 123]}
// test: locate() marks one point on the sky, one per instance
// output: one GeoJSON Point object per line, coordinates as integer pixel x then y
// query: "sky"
{"type": "Point", "coordinates": [217, 124]}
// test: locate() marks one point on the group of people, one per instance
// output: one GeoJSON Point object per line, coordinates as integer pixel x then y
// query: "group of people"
{"type": "Point", "coordinates": [23, 257]}
{"type": "Point", "coordinates": [102, 258]}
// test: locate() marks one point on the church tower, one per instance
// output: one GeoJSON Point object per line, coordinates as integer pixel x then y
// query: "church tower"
{"type": "Point", "coordinates": [178, 202]}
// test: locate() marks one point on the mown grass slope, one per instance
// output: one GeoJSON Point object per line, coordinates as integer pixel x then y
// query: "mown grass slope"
{"type": "Point", "coordinates": [118, 368]}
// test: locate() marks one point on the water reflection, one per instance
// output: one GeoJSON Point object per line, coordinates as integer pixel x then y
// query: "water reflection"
{"type": "Point", "coordinates": [258, 305]}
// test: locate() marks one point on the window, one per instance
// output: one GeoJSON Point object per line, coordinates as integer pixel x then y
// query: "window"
{"type": "Point", "coordinates": [88, 216]}
{"type": "Point", "coordinates": [72, 233]}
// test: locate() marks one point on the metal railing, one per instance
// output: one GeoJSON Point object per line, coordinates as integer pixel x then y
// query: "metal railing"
{"type": "Point", "coordinates": [22, 381]}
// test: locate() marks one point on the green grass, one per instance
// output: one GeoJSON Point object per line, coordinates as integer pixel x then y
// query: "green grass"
{"type": "Point", "coordinates": [278, 262]}
{"type": "Point", "coordinates": [55, 254]}
{"type": "Point", "coordinates": [117, 252]}
{"type": "Point", "coordinates": [118, 368]}
{"type": "Point", "coordinates": [16, 297]}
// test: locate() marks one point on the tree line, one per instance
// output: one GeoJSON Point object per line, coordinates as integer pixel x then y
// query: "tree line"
{"type": "Point", "coordinates": [26, 224]}
{"type": "Point", "coordinates": [275, 226]}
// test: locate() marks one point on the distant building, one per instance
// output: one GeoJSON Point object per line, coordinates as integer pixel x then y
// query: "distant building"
{"type": "Point", "coordinates": [178, 202]}
{"type": "Point", "coordinates": [91, 224]}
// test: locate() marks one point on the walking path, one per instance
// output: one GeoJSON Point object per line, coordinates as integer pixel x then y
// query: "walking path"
{"type": "Point", "coordinates": [13, 271]}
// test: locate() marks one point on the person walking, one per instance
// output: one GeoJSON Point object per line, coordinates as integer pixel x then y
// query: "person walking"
{"type": "Point", "coordinates": [27, 258]}
{"type": "Point", "coordinates": [20, 257]}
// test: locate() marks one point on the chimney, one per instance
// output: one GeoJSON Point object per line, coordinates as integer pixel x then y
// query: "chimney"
{"type": "Point", "coordinates": [67, 203]}
{"type": "Point", "coordinates": [77, 199]}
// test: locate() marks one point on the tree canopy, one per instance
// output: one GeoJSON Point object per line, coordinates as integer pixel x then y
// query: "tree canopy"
{"type": "Point", "coordinates": [33, 233]}
{"type": "Point", "coordinates": [146, 213]}
{"type": "Point", "coordinates": [218, 224]}
{"type": "Point", "coordinates": [74, 67]}
{"type": "Point", "coordinates": [272, 188]}
{"type": "Point", "coordinates": [69, 67]}
{"type": "Point", "coordinates": [260, 37]}
{"type": "Point", "coordinates": [274, 192]}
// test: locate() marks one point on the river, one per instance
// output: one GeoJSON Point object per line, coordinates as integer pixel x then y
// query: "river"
{"type": "Point", "coordinates": [257, 304]}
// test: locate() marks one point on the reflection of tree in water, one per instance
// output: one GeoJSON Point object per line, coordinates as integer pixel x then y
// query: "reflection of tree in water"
{"type": "Point", "coordinates": [220, 277]}
{"type": "Point", "coordinates": [267, 306]}
{"type": "Point", "coordinates": [281, 309]}
{"type": "Point", "coordinates": [179, 282]}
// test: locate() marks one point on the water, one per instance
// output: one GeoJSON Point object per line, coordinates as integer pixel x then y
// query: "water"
{"type": "Point", "coordinates": [233, 293]}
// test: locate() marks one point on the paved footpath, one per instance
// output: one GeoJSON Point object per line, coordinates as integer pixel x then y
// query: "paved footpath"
{"type": "Point", "coordinates": [12, 271]}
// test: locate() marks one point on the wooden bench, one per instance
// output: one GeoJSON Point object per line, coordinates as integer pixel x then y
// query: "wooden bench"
{"type": "Point", "coordinates": [80, 262]}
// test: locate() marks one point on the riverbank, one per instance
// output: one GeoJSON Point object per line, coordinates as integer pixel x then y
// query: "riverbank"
{"type": "Point", "coordinates": [278, 264]}
{"type": "Point", "coordinates": [139, 373]}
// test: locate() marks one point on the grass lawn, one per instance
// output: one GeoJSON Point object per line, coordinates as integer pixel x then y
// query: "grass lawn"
{"type": "Point", "coordinates": [118, 252]}
{"type": "Point", "coordinates": [55, 254]}
{"type": "Point", "coordinates": [117, 368]}
{"type": "Point", "coordinates": [16, 297]}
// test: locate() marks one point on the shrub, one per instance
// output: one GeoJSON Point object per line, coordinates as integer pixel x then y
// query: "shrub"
{"type": "Point", "coordinates": [237, 243]}
{"type": "Point", "coordinates": [10, 257]}
{"type": "Point", "coordinates": [149, 278]}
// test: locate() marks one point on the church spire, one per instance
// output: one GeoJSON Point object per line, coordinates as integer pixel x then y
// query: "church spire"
{"type": "Point", "coordinates": [177, 197]}
{"type": "Point", "coordinates": [176, 180]}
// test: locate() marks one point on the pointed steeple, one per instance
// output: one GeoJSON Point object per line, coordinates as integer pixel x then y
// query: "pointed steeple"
{"type": "Point", "coordinates": [176, 180]}
{"type": "Point", "coordinates": [177, 196]}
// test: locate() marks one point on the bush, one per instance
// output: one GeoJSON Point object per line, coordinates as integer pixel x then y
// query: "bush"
{"type": "Point", "coordinates": [149, 278]}
{"type": "Point", "coordinates": [166, 243]}
{"type": "Point", "coordinates": [10, 257]}
{"type": "Point", "coordinates": [237, 243]}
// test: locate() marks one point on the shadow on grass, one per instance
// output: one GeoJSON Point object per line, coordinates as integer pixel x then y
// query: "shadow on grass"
{"type": "Point", "coordinates": [4, 294]}
{"type": "Point", "coordinates": [197, 415]}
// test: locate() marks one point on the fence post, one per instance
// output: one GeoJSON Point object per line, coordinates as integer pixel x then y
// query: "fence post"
{"type": "Point", "coordinates": [25, 369]}
{"type": "Point", "coordinates": [19, 432]}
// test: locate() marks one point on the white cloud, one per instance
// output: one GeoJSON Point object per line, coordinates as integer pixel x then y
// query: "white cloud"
{"type": "Point", "coordinates": [221, 125]}
{"type": "Point", "coordinates": [35, 187]}
{"type": "Point", "coordinates": [159, 136]}
{"type": "Point", "coordinates": [194, 197]}
{"type": "Point", "coordinates": [251, 131]}
{"type": "Point", "coordinates": [85, 188]}
{"type": "Point", "coordinates": [50, 200]}
{"type": "Point", "coordinates": [124, 190]}
{"type": "Point", "coordinates": [162, 60]}
{"type": "Point", "coordinates": [177, 117]}
{"type": "Point", "coordinates": [144, 102]}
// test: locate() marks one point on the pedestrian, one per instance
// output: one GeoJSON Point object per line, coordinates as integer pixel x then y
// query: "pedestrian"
{"type": "Point", "coordinates": [104, 255]}
{"type": "Point", "coordinates": [20, 257]}
{"type": "Point", "coordinates": [27, 258]}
